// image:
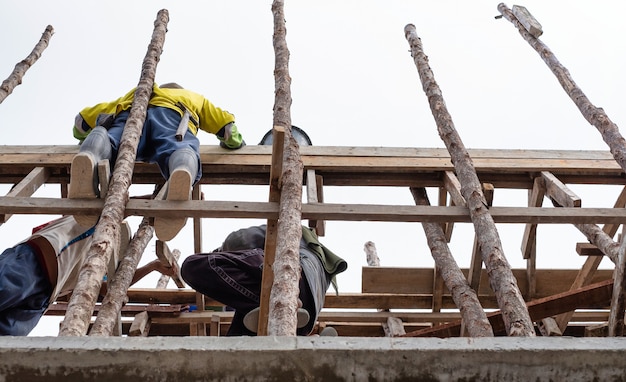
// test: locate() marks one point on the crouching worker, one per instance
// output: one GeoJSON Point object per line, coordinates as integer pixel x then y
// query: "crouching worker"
{"type": "Point", "coordinates": [39, 269]}
{"type": "Point", "coordinates": [232, 275]}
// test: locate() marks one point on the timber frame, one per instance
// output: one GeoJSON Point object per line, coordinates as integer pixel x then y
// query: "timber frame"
{"type": "Point", "coordinates": [540, 172]}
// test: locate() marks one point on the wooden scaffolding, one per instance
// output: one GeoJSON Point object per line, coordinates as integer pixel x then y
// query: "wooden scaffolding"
{"type": "Point", "coordinates": [496, 300]}
{"type": "Point", "coordinates": [416, 296]}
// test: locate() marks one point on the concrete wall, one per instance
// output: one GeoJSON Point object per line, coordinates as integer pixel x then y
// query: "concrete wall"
{"type": "Point", "coordinates": [311, 359]}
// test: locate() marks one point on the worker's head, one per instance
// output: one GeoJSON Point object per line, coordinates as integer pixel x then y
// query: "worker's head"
{"type": "Point", "coordinates": [247, 238]}
{"type": "Point", "coordinates": [298, 134]}
{"type": "Point", "coordinates": [171, 85]}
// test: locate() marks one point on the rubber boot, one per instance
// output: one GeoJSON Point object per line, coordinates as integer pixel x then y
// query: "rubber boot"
{"type": "Point", "coordinates": [183, 166]}
{"type": "Point", "coordinates": [84, 170]}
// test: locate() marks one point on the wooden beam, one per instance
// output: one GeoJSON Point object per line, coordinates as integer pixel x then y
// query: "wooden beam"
{"type": "Point", "coordinates": [453, 186]}
{"type": "Point", "coordinates": [140, 326]}
{"type": "Point", "coordinates": [588, 249]}
{"type": "Point", "coordinates": [168, 259]}
{"type": "Point", "coordinates": [595, 294]}
{"type": "Point", "coordinates": [559, 192]}
{"type": "Point", "coordinates": [438, 289]}
{"type": "Point", "coordinates": [315, 194]}
{"type": "Point", "coordinates": [327, 211]}
{"type": "Point", "coordinates": [271, 231]}
{"type": "Point", "coordinates": [530, 232]}
{"type": "Point", "coordinates": [196, 194]}
{"type": "Point", "coordinates": [27, 186]}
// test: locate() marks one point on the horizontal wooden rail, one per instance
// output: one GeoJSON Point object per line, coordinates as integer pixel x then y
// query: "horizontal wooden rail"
{"type": "Point", "coordinates": [317, 211]}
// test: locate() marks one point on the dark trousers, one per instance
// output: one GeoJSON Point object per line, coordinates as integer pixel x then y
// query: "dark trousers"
{"type": "Point", "coordinates": [24, 290]}
{"type": "Point", "coordinates": [234, 279]}
{"type": "Point", "coordinates": [158, 138]}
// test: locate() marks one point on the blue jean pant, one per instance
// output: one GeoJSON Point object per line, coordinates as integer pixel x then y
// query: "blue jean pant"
{"type": "Point", "coordinates": [24, 290]}
{"type": "Point", "coordinates": [234, 279]}
{"type": "Point", "coordinates": [158, 138]}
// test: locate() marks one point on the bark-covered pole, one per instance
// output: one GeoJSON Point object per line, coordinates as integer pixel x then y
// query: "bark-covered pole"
{"type": "Point", "coordinates": [15, 78]}
{"type": "Point", "coordinates": [464, 296]}
{"type": "Point", "coordinates": [284, 294]}
{"type": "Point", "coordinates": [117, 290]}
{"type": "Point", "coordinates": [107, 233]}
{"type": "Point", "coordinates": [594, 115]}
{"type": "Point", "coordinates": [510, 301]}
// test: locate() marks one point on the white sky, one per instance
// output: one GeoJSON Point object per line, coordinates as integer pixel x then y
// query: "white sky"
{"type": "Point", "coordinates": [354, 83]}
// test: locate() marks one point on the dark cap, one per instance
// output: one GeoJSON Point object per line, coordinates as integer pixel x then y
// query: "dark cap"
{"type": "Point", "coordinates": [245, 238]}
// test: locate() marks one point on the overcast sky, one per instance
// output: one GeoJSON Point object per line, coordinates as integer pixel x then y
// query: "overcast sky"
{"type": "Point", "coordinates": [354, 83]}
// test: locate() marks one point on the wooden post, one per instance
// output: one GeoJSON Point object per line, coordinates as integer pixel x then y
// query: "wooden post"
{"type": "Point", "coordinates": [465, 298]}
{"type": "Point", "coordinates": [503, 283]}
{"type": "Point", "coordinates": [284, 294]}
{"type": "Point", "coordinates": [15, 78]}
{"type": "Point", "coordinates": [616, 316]}
{"type": "Point", "coordinates": [276, 170]}
{"type": "Point", "coordinates": [82, 302]}
{"type": "Point", "coordinates": [116, 297]}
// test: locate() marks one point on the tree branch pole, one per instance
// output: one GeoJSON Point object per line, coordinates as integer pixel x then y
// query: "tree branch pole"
{"type": "Point", "coordinates": [464, 296]}
{"type": "Point", "coordinates": [284, 295]}
{"type": "Point", "coordinates": [117, 290]}
{"type": "Point", "coordinates": [15, 78]}
{"type": "Point", "coordinates": [107, 232]}
{"type": "Point", "coordinates": [594, 115]}
{"type": "Point", "coordinates": [510, 301]}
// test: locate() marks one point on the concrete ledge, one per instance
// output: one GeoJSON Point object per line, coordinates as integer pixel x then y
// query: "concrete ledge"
{"type": "Point", "coordinates": [311, 359]}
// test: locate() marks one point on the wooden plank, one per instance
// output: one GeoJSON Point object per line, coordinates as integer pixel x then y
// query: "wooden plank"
{"type": "Point", "coordinates": [558, 191]}
{"type": "Point", "coordinates": [420, 280]}
{"type": "Point", "coordinates": [453, 186]}
{"type": "Point", "coordinates": [535, 199]}
{"type": "Point", "coordinates": [347, 159]}
{"type": "Point", "coordinates": [168, 259]}
{"type": "Point", "coordinates": [327, 211]}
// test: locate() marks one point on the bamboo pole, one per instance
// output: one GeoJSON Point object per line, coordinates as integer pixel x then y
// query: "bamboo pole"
{"type": "Point", "coordinates": [283, 302]}
{"type": "Point", "coordinates": [465, 298]}
{"type": "Point", "coordinates": [510, 301]}
{"type": "Point", "coordinates": [107, 233]}
{"type": "Point", "coordinates": [117, 290]}
{"type": "Point", "coordinates": [15, 78]}
{"type": "Point", "coordinates": [594, 115]}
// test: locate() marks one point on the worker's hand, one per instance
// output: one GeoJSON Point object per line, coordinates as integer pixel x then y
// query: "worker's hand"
{"type": "Point", "coordinates": [223, 145]}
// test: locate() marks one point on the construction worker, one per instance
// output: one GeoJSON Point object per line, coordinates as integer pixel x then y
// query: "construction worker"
{"type": "Point", "coordinates": [35, 272]}
{"type": "Point", "coordinates": [174, 150]}
{"type": "Point", "coordinates": [232, 275]}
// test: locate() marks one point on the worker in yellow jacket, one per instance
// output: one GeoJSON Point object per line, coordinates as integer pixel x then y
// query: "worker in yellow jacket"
{"type": "Point", "coordinates": [168, 139]}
